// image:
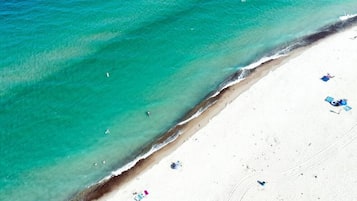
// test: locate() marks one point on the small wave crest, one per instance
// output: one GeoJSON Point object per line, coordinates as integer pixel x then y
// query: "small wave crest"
{"type": "Point", "coordinates": [243, 72]}
{"type": "Point", "coordinates": [195, 115]}
{"type": "Point", "coordinates": [156, 147]}
{"type": "Point", "coordinates": [347, 16]}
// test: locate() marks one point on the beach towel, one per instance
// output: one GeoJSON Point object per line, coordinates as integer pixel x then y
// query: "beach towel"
{"type": "Point", "coordinates": [347, 108]}
{"type": "Point", "coordinates": [325, 78]}
{"type": "Point", "coordinates": [329, 99]}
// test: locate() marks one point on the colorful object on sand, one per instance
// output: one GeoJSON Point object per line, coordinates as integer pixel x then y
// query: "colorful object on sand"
{"type": "Point", "coordinates": [176, 165]}
{"type": "Point", "coordinates": [347, 108]}
{"type": "Point", "coordinates": [262, 183]}
{"type": "Point", "coordinates": [329, 99]}
{"type": "Point", "coordinates": [327, 77]}
{"type": "Point", "coordinates": [336, 102]}
{"type": "Point", "coordinates": [340, 102]}
{"type": "Point", "coordinates": [140, 196]}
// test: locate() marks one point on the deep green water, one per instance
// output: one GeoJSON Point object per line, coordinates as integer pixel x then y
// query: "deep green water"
{"type": "Point", "coordinates": [56, 100]}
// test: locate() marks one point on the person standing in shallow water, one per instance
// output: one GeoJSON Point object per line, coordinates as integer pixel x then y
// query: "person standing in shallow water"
{"type": "Point", "coordinates": [148, 113]}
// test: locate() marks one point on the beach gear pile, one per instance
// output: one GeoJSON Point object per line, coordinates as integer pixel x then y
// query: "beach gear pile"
{"type": "Point", "coordinates": [335, 102]}
{"type": "Point", "coordinates": [176, 165]}
{"type": "Point", "coordinates": [338, 102]}
{"type": "Point", "coordinates": [327, 77]}
{"type": "Point", "coordinates": [140, 196]}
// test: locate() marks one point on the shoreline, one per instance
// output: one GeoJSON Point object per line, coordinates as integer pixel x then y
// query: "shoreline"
{"type": "Point", "coordinates": [187, 130]}
{"type": "Point", "coordinates": [225, 98]}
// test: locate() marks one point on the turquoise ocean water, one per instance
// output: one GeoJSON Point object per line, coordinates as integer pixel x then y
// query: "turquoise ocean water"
{"type": "Point", "coordinates": [72, 70]}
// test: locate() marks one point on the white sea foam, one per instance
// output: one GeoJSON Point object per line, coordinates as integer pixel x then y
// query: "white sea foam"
{"type": "Point", "coordinates": [281, 53]}
{"type": "Point", "coordinates": [197, 114]}
{"type": "Point", "coordinates": [347, 16]}
{"type": "Point", "coordinates": [226, 86]}
{"type": "Point", "coordinates": [130, 165]}
{"type": "Point", "coordinates": [256, 64]}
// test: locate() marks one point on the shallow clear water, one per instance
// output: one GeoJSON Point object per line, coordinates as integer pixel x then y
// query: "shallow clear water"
{"type": "Point", "coordinates": [70, 70]}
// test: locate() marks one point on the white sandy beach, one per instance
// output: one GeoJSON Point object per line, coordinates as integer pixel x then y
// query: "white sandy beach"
{"type": "Point", "coordinates": [280, 131]}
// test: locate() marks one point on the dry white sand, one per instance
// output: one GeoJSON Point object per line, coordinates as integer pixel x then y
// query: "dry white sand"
{"type": "Point", "coordinates": [280, 131]}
